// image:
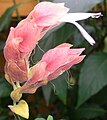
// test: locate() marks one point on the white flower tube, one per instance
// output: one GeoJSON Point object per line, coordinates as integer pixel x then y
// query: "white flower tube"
{"type": "Point", "coordinates": [84, 33]}
{"type": "Point", "coordinates": [73, 17]}
{"type": "Point", "coordinates": [79, 16]}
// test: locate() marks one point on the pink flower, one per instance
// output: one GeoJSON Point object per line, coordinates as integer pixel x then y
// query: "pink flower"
{"type": "Point", "coordinates": [53, 63]}
{"type": "Point", "coordinates": [21, 41]}
{"type": "Point", "coordinates": [17, 71]}
{"type": "Point", "coordinates": [45, 16]}
{"type": "Point", "coordinates": [25, 36]}
{"type": "Point", "coordinates": [48, 15]}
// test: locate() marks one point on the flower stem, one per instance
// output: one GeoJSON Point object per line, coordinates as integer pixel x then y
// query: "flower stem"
{"type": "Point", "coordinates": [105, 6]}
{"type": "Point", "coordinates": [17, 12]}
{"type": "Point", "coordinates": [38, 1]}
{"type": "Point", "coordinates": [16, 117]}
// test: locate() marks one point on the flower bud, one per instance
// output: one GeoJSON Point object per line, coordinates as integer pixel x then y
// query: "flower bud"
{"type": "Point", "coordinates": [16, 95]}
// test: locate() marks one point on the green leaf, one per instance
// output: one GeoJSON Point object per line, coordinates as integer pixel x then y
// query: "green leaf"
{"type": "Point", "coordinates": [5, 18]}
{"type": "Point", "coordinates": [62, 34]}
{"type": "Point", "coordinates": [93, 76]}
{"type": "Point", "coordinates": [5, 88]}
{"type": "Point", "coordinates": [3, 117]}
{"type": "Point", "coordinates": [47, 92]}
{"type": "Point", "coordinates": [50, 117]}
{"type": "Point", "coordinates": [21, 118]}
{"type": "Point", "coordinates": [105, 45]}
{"type": "Point", "coordinates": [2, 44]}
{"type": "Point", "coordinates": [39, 119]}
{"type": "Point", "coordinates": [60, 87]}
{"type": "Point", "coordinates": [89, 112]}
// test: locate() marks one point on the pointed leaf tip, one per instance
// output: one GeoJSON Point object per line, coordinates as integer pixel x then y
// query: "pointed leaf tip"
{"type": "Point", "coordinates": [50, 117]}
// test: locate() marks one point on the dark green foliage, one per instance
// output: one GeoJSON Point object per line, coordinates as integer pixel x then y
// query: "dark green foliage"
{"type": "Point", "coordinates": [93, 76]}
{"type": "Point", "coordinates": [5, 18]}
{"type": "Point", "coordinates": [5, 88]}
{"type": "Point", "coordinates": [89, 112]}
{"type": "Point", "coordinates": [49, 118]}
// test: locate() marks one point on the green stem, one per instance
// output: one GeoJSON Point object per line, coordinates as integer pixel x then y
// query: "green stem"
{"type": "Point", "coordinates": [14, 102]}
{"type": "Point", "coordinates": [17, 12]}
{"type": "Point", "coordinates": [18, 84]}
{"type": "Point", "coordinates": [16, 117]}
{"type": "Point", "coordinates": [38, 1]}
{"type": "Point", "coordinates": [105, 7]}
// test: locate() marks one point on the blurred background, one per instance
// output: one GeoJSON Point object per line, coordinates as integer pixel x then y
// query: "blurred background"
{"type": "Point", "coordinates": [81, 92]}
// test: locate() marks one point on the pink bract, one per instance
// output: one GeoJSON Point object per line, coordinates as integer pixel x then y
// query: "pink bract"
{"type": "Point", "coordinates": [47, 13]}
{"type": "Point", "coordinates": [55, 62]}
{"type": "Point", "coordinates": [25, 36]}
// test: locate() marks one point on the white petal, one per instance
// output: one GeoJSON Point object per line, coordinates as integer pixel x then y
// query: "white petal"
{"type": "Point", "coordinates": [78, 16]}
{"type": "Point", "coordinates": [61, 4]}
{"type": "Point", "coordinates": [84, 33]}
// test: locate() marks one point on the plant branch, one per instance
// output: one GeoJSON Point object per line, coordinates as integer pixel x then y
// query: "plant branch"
{"type": "Point", "coordinates": [16, 117]}
{"type": "Point", "coordinates": [17, 12]}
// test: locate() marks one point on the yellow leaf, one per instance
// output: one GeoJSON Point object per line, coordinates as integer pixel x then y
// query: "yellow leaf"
{"type": "Point", "coordinates": [21, 109]}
